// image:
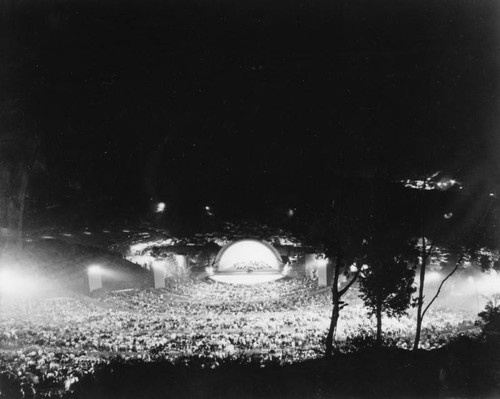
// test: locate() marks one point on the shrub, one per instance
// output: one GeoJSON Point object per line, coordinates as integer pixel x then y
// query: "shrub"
{"type": "Point", "coordinates": [490, 316]}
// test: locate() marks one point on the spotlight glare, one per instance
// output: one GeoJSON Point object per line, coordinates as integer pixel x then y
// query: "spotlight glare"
{"type": "Point", "coordinates": [94, 269]}
{"type": "Point", "coordinates": [158, 265]}
{"type": "Point", "coordinates": [431, 277]}
{"type": "Point", "coordinates": [16, 285]}
{"type": "Point", "coordinates": [160, 207]}
{"type": "Point", "coordinates": [320, 262]}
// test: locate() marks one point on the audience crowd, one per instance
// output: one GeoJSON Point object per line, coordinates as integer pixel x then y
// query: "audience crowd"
{"type": "Point", "coordinates": [47, 346]}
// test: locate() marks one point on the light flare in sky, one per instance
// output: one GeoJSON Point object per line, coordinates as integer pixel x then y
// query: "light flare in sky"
{"type": "Point", "coordinates": [160, 207]}
{"type": "Point", "coordinates": [432, 182]}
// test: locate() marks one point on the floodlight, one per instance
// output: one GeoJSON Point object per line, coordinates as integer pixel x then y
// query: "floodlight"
{"type": "Point", "coordinates": [95, 277]}
{"type": "Point", "coordinates": [16, 284]}
{"type": "Point", "coordinates": [489, 283]}
{"type": "Point", "coordinates": [158, 265]}
{"type": "Point", "coordinates": [94, 269]}
{"type": "Point", "coordinates": [159, 274]}
{"type": "Point", "coordinates": [160, 207]}
{"type": "Point", "coordinates": [321, 262]}
{"type": "Point", "coordinates": [431, 277]}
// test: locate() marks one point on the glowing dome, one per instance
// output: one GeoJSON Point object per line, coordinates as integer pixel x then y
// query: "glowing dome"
{"type": "Point", "coordinates": [247, 262]}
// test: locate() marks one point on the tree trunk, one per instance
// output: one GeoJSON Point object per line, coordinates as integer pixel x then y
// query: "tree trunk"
{"type": "Point", "coordinates": [378, 314]}
{"type": "Point", "coordinates": [336, 308]}
{"type": "Point", "coordinates": [333, 329]}
{"type": "Point", "coordinates": [420, 299]}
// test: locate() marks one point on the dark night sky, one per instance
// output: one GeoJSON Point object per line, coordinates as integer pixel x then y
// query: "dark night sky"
{"type": "Point", "coordinates": [254, 102]}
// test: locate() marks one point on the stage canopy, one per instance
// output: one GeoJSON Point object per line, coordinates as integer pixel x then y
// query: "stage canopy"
{"type": "Point", "coordinates": [248, 261]}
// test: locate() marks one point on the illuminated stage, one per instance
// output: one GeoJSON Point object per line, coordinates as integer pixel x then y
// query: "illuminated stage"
{"type": "Point", "coordinates": [248, 261]}
{"type": "Point", "coordinates": [248, 278]}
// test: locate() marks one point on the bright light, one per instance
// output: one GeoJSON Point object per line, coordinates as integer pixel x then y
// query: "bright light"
{"type": "Point", "coordinates": [321, 261]}
{"type": "Point", "coordinates": [160, 207]}
{"type": "Point", "coordinates": [94, 269]}
{"type": "Point", "coordinates": [431, 277]}
{"type": "Point", "coordinates": [431, 183]}
{"type": "Point", "coordinates": [248, 251]}
{"type": "Point", "coordinates": [364, 267]}
{"type": "Point", "coordinates": [446, 183]}
{"type": "Point", "coordinates": [158, 265]}
{"type": "Point", "coordinates": [247, 279]}
{"type": "Point", "coordinates": [16, 284]}
{"type": "Point", "coordinates": [489, 283]}
{"type": "Point", "coordinates": [353, 268]}
{"type": "Point", "coordinates": [448, 215]}
{"type": "Point", "coordinates": [290, 212]}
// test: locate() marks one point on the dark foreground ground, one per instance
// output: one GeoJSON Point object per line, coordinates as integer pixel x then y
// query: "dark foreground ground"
{"type": "Point", "coordinates": [466, 368]}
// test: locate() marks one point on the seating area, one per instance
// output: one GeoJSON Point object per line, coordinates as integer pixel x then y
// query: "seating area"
{"type": "Point", "coordinates": [48, 345]}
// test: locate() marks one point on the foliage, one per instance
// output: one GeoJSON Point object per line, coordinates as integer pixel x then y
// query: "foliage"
{"type": "Point", "coordinates": [488, 259]}
{"type": "Point", "coordinates": [490, 316]}
{"type": "Point", "coordinates": [388, 285]}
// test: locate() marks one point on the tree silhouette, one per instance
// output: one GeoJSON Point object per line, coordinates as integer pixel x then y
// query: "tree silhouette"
{"type": "Point", "coordinates": [462, 240]}
{"type": "Point", "coordinates": [386, 287]}
{"type": "Point", "coordinates": [337, 230]}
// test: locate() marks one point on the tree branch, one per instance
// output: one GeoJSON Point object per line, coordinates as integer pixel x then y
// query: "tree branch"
{"type": "Point", "coordinates": [431, 248]}
{"type": "Point", "coordinates": [442, 283]}
{"type": "Point", "coordinates": [354, 278]}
